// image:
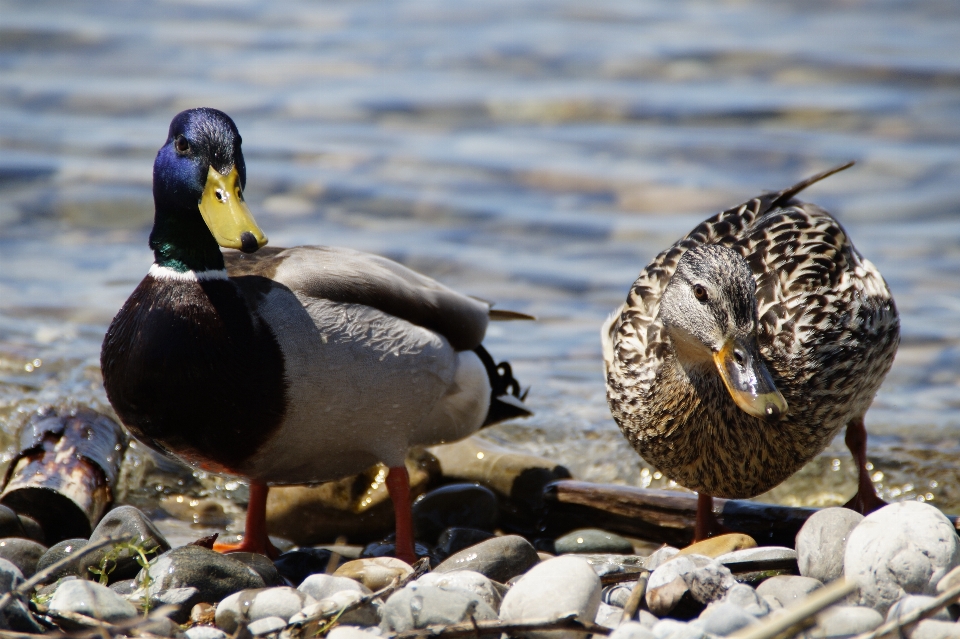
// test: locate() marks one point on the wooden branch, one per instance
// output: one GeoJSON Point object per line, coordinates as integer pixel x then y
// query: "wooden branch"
{"type": "Point", "coordinates": [636, 597]}
{"type": "Point", "coordinates": [796, 617]}
{"type": "Point", "coordinates": [915, 615]}
{"type": "Point", "coordinates": [569, 623]}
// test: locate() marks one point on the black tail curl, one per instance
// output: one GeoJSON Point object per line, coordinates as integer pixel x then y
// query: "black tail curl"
{"type": "Point", "coordinates": [505, 391]}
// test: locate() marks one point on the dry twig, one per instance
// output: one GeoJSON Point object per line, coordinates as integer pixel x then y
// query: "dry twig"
{"type": "Point", "coordinates": [636, 597]}
{"type": "Point", "coordinates": [918, 614]}
{"type": "Point", "coordinates": [797, 616]}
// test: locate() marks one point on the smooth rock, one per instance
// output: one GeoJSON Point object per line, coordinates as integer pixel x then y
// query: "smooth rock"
{"type": "Point", "coordinates": [462, 505]}
{"type": "Point", "coordinates": [554, 588]}
{"type": "Point", "coordinates": [216, 576]}
{"type": "Point", "coordinates": [617, 594]}
{"type": "Point", "coordinates": [261, 565]}
{"type": "Point", "coordinates": [321, 586]}
{"type": "Point", "coordinates": [607, 564]}
{"type": "Point", "coordinates": [659, 557]}
{"type": "Point", "coordinates": [419, 606]}
{"type": "Point", "coordinates": [822, 541]}
{"type": "Point", "coordinates": [120, 523]}
{"type": "Point", "coordinates": [673, 629]}
{"type": "Point", "coordinates": [903, 548]}
{"type": "Point", "coordinates": [297, 565]}
{"type": "Point", "coordinates": [10, 576]}
{"type": "Point", "coordinates": [910, 603]}
{"type": "Point", "coordinates": [500, 558]}
{"type": "Point", "coordinates": [252, 605]}
{"type": "Point", "coordinates": [748, 599]}
{"type": "Point", "coordinates": [949, 580]}
{"type": "Point", "coordinates": [203, 613]}
{"type": "Point", "coordinates": [266, 625]}
{"type": "Point", "coordinates": [10, 525]}
{"type": "Point", "coordinates": [704, 578]}
{"type": "Point", "coordinates": [367, 614]}
{"type": "Point", "coordinates": [724, 619]}
{"type": "Point", "coordinates": [22, 553]}
{"type": "Point", "coordinates": [761, 554]}
{"type": "Point", "coordinates": [632, 630]}
{"type": "Point", "coordinates": [593, 540]}
{"type": "Point", "coordinates": [159, 627]}
{"type": "Point", "coordinates": [608, 616]}
{"type": "Point", "coordinates": [57, 552]}
{"type": "Point", "coordinates": [374, 572]}
{"type": "Point", "coordinates": [788, 589]}
{"type": "Point", "coordinates": [183, 598]}
{"type": "Point", "coordinates": [352, 632]}
{"type": "Point", "coordinates": [466, 581]}
{"type": "Point", "coordinates": [934, 629]}
{"type": "Point", "coordinates": [32, 529]}
{"type": "Point", "coordinates": [91, 599]}
{"type": "Point", "coordinates": [388, 548]}
{"type": "Point", "coordinates": [205, 632]}
{"type": "Point", "coordinates": [720, 545]}
{"type": "Point", "coordinates": [454, 539]}
{"type": "Point", "coordinates": [647, 619]}
{"type": "Point", "coordinates": [124, 587]}
{"type": "Point", "coordinates": [845, 621]}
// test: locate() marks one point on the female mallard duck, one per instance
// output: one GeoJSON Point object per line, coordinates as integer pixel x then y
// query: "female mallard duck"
{"type": "Point", "coordinates": [744, 348]}
{"type": "Point", "coordinates": [291, 365]}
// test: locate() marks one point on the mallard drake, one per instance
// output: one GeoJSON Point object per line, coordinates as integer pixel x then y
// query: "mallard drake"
{"type": "Point", "coordinates": [744, 348]}
{"type": "Point", "coordinates": [288, 366]}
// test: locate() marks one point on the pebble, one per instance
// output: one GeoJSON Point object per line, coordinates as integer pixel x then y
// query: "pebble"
{"type": "Point", "coordinates": [262, 603]}
{"type": "Point", "coordinates": [788, 589]}
{"type": "Point", "coordinates": [10, 576]}
{"type": "Point", "coordinates": [23, 553]}
{"type": "Point", "coordinates": [388, 548]}
{"type": "Point", "coordinates": [618, 594]}
{"type": "Point", "coordinates": [214, 575]}
{"type": "Point", "coordinates": [419, 606]}
{"type": "Point", "coordinates": [467, 581]}
{"type": "Point", "coordinates": [260, 565]}
{"type": "Point", "coordinates": [659, 557]}
{"type": "Point", "coordinates": [673, 629]}
{"type": "Point", "coordinates": [351, 632]}
{"type": "Point", "coordinates": [183, 598]}
{"type": "Point", "coordinates": [91, 599]}
{"type": "Point", "coordinates": [615, 564]}
{"type": "Point", "coordinates": [822, 541]}
{"type": "Point", "coordinates": [556, 587]}
{"type": "Point", "coordinates": [205, 632]}
{"type": "Point", "coordinates": [903, 548]}
{"type": "Point", "coordinates": [321, 586]}
{"type": "Point", "coordinates": [120, 523]}
{"type": "Point", "coordinates": [462, 505]}
{"type": "Point", "coordinates": [704, 578]}
{"type": "Point", "coordinates": [934, 629]}
{"type": "Point", "coordinates": [500, 558]}
{"type": "Point", "coordinates": [910, 603]}
{"type": "Point", "coordinates": [297, 565]}
{"type": "Point", "coordinates": [762, 554]}
{"type": "Point", "coordinates": [748, 599]}
{"type": "Point", "coordinates": [720, 545]}
{"type": "Point", "coordinates": [632, 630]}
{"type": "Point", "coordinates": [845, 621]}
{"type": "Point", "coordinates": [365, 615]}
{"type": "Point", "coordinates": [374, 572]}
{"type": "Point", "coordinates": [454, 539]}
{"type": "Point", "coordinates": [10, 525]}
{"type": "Point", "coordinates": [593, 540]}
{"type": "Point", "coordinates": [266, 625]}
{"type": "Point", "coordinates": [124, 587]}
{"type": "Point", "coordinates": [724, 619]}
{"type": "Point", "coordinates": [57, 552]}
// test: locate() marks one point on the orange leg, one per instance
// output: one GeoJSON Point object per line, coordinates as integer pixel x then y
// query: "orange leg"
{"type": "Point", "coordinates": [866, 500]}
{"type": "Point", "coordinates": [398, 485]}
{"type": "Point", "coordinates": [707, 523]}
{"type": "Point", "coordinates": [255, 530]}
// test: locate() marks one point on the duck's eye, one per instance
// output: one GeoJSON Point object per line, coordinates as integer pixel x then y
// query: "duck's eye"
{"type": "Point", "coordinates": [700, 292]}
{"type": "Point", "coordinates": [181, 144]}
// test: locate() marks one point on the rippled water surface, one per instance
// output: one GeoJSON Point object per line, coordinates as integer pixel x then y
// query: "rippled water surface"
{"type": "Point", "coordinates": [534, 153]}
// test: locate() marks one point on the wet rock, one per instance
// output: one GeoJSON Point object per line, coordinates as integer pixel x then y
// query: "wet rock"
{"type": "Point", "coordinates": [322, 586]}
{"type": "Point", "coordinates": [453, 540]}
{"type": "Point", "coordinates": [120, 523]}
{"type": "Point", "coordinates": [91, 599]}
{"type": "Point", "coordinates": [183, 598]}
{"type": "Point", "coordinates": [593, 540]}
{"type": "Point", "coordinates": [615, 564]}
{"type": "Point", "coordinates": [500, 558]}
{"type": "Point", "coordinates": [216, 576]}
{"type": "Point", "coordinates": [608, 616]}
{"type": "Point", "coordinates": [22, 553]}
{"type": "Point", "coordinates": [252, 605]}
{"type": "Point", "coordinates": [467, 581]}
{"type": "Point", "coordinates": [910, 603]}
{"type": "Point", "coordinates": [659, 557]}
{"type": "Point", "coordinates": [822, 541]}
{"type": "Point", "coordinates": [724, 619]}
{"type": "Point", "coordinates": [788, 589]}
{"type": "Point", "coordinates": [367, 614]}
{"type": "Point", "coordinates": [933, 629]}
{"type": "Point", "coordinates": [903, 548]}
{"type": "Point", "coordinates": [554, 588]}
{"type": "Point", "coordinates": [374, 572]}
{"type": "Point", "coordinates": [266, 625]}
{"type": "Point", "coordinates": [845, 621]}
{"type": "Point", "coordinates": [388, 548]}
{"type": "Point", "coordinates": [297, 565]}
{"type": "Point", "coordinates": [419, 606]}
{"type": "Point", "coordinates": [462, 505]}
{"type": "Point", "coordinates": [747, 598]}
{"type": "Point", "coordinates": [704, 578]}
{"type": "Point", "coordinates": [260, 565]}
{"type": "Point", "coordinates": [632, 630]}
{"type": "Point", "coordinates": [720, 545]}
{"type": "Point", "coordinates": [205, 632]}
{"type": "Point", "coordinates": [32, 529]}
{"type": "Point", "coordinates": [10, 525]}
{"type": "Point", "coordinates": [57, 552]}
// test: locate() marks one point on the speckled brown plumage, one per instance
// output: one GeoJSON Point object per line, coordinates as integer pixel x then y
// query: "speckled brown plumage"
{"type": "Point", "coordinates": [827, 329]}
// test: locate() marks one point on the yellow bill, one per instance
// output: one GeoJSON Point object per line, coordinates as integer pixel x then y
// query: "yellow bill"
{"type": "Point", "coordinates": [748, 381]}
{"type": "Point", "coordinates": [227, 215]}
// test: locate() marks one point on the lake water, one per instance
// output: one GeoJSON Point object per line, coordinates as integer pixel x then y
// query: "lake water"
{"type": "Point", "coordinates": [534, 153]}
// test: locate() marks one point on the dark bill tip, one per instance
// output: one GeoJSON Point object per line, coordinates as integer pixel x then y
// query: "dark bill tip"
{"type": "Point", "coordinates": [248, 242]}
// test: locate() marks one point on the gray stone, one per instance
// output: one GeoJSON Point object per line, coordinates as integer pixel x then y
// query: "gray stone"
{"type": "Point", "coordinates": [557, 587]}
{"type": "Point", "coordinates": [205, 632]}
{"type": "Point", "coordinates": [910, 603]}
{"type": "Point", "coordinates": [903, 548]}
{"type": "Point", "coordinates": [266, 625]}
{"type": "Point", "coordinates": [22, 553]}
{"type": "Point", "coordinates": [934, 629]}
{"type": "Point", "coordinates": [761, 554]}
{"type": "Point", "coordinates": [91, 599]}
{"type": "Point", "coordinates": [845, 621]}
{"type": "Point", "coordinates": [673, 629]}
{"type": "Point", "coordinates": [607, 564]}
{"type": "Point", "coordinates": [500, 558]}
{"type": "Point", "coordinates": [57, 552]}
{"type": "Point", "coordinates": [788, 589]}
{"type": "Point", "coordinates": [658, 558]}
{"type": "Point", "coordinates": [120, 523]}
{"type": "Point", "coordinates": [822, 542]}
{"type": "Point", "coordinates": [183, 598]}
{"type": "Point", "coordinates": [632, 630]}
{"type": "Point", "coordinates": [321, 586]}
{"type": "Point", "coordinates": [10, 576]}
{"type": "Point", "coordinates": [647, 619]}
{"type": "Point", "coordinates": [216, 576]}
{"type": "Point", "coordinates": [261, 603]}
{"type": "Point", "coordinates": [125, 587]}
{"type": "Point", "coordinates": [367, 614]}
{"type": "Point", "coordinates": [261, 565]}
{"type": "Point", "coordinates": [704, 578]}
{"type": "Point", "coordinates": [593, 540]}
{"type": "Point", "coordinates": [745, 597]}
{"type": "Point", "coordinates": [608, 616]}
{"type": "Point", "coordinates": [352, 632]}
{"type": "Point", "coordinates": [10, 525]}
{"type": "Point", "coordinates": [160, 627]}
{"type": "Point", "coordinates": [618, 594]}
{"type": "Point", "coordinates": [724, 619]}
{"type": "Point", "coordinates": [467, 581]}
{"type": "Point", "coordinates": [419, 606]}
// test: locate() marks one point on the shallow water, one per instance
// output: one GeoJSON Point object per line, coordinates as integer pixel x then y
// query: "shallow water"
{"type": "Point", "coordinates": [536, 153]}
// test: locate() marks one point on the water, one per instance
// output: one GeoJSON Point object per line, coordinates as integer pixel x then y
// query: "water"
{"type": "Point", "coordinates": [535, 153]}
